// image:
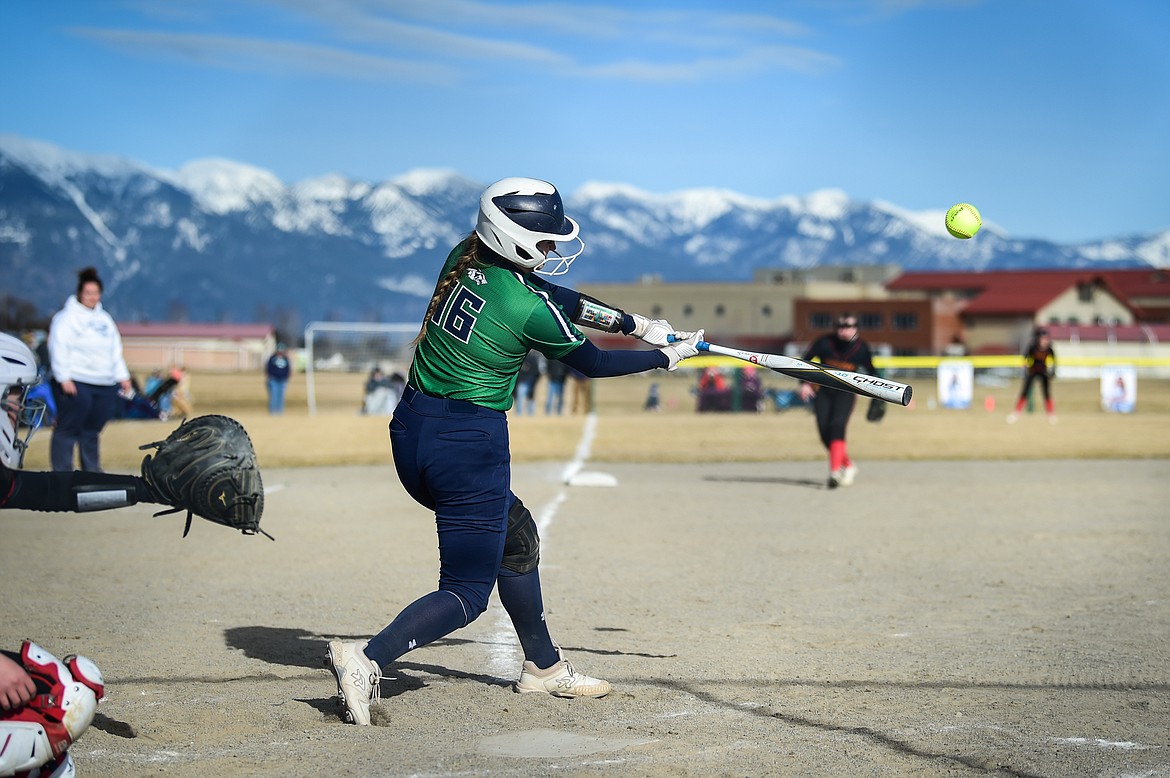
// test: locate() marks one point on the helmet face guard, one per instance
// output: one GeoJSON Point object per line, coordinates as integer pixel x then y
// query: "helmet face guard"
{"type": "Point", "coordinates": [18, 374]}
{"type": "Point", "coordinates": [556, 265]}
{"type": "Point", "coordinates": [518, 215]}
{"type": "Point", "coordinates": [18, 411]}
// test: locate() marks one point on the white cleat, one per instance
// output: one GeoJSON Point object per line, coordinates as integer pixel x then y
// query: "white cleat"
{"type": "Point", "coordinates": [560, 680]}
{"type": "Point", "coordinates": [848, 473]}
{"type": "Point", "coordinates": [835, 478]}
{"type": "Point", "coordinates": [358, 679]}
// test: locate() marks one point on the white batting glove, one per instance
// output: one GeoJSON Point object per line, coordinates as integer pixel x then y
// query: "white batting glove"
{"type": "Point", "coordinates": [682, 349]}
{"type": "Point", "coordinates": [652, 331]}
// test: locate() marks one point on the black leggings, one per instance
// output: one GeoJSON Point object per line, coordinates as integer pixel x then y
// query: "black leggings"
{"type": "Point", "coordinates": [833, 409]}
{"type": "Point", "coordinates": [1028, 379]}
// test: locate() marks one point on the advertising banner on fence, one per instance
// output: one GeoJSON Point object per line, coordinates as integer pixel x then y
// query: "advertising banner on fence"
{"type": "Point", "coordinates": [956, 381]}
{"type": "Point", "coordinates": [1118, 388]}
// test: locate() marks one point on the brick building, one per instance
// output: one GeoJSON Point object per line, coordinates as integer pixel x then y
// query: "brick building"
{"type": "Point", "coordinates": [227, 347]}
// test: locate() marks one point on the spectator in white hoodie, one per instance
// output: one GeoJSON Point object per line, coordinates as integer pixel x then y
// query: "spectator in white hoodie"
{"type": "Point", "coordinates": [85, 351]}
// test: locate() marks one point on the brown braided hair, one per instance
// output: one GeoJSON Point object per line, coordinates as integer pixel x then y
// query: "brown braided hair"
{"type": "Point", "coordinates": [469, 258]}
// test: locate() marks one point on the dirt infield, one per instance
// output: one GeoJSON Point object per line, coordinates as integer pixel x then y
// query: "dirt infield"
{"type": "Point", "coordinates": [987, 599]}
{"type": "Point", "coordinates": [938, 618]}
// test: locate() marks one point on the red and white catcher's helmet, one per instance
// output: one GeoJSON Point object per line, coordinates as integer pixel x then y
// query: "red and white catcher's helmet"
{"type": "Point", "coordinates": [18, 372]}
{"type": "Point", "coordinates": [517, 214]}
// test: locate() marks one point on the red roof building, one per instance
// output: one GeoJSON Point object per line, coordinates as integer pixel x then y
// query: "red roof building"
{"type": "Point", "coordinates": [997, 311]}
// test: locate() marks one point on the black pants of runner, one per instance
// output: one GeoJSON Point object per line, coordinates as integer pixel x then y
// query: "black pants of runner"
{"type": "Point", "coordinates": [833, 409]}
{"type": "Point", "coordinates": [1028, 379]}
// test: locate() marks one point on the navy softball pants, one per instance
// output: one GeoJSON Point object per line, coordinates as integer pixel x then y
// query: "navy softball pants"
{"type": "Point", "coordinates": [453, 457]}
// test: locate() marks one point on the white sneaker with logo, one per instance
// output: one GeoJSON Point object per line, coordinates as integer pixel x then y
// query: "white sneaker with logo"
{"type": "Point", "coordinates": [560, 680]}
{"type": "Point", "coordinates": [358, 679]}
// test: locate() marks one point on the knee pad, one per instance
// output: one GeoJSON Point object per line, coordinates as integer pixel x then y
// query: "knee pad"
{"type": "Point", "coordinates": [522, 544]}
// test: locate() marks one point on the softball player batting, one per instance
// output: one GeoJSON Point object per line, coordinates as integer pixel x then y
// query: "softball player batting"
{"type": "Point", "coordinates": [449, 433]}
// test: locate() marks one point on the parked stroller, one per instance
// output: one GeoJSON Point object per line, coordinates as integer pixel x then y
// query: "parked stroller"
{"type": "Point", "coordinates": [154, 401]}
{"type": "Point", "coordinates": [135, 404]}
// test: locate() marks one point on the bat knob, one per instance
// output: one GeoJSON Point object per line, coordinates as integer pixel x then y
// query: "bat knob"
{"type": "Point", "coordinates": [702, 345]}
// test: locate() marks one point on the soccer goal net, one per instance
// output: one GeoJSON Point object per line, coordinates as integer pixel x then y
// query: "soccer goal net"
{"type": "Point", "coordinates": [336, 353]}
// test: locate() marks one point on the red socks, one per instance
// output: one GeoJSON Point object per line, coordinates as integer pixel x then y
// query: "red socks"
{"type": "Point", "coordinates": [1049, 406]}
{"type": "Point", "coordinates": [838, 458]}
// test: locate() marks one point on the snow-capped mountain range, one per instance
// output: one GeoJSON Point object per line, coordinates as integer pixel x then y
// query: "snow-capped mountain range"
{"type": "Point", "coordinates": [219, 240]}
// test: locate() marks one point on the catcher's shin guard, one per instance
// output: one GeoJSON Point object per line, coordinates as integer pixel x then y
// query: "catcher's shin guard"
{"type": "Point", "coordinates": [55, 768]}
{"type": "Point", "coordinates": [24, 745]}
{"type": "Point", "coordinates": [63, 708]}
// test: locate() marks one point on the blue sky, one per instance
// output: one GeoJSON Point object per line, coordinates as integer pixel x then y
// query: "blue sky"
{"type": "Point", "coordinates": [1051, 117]}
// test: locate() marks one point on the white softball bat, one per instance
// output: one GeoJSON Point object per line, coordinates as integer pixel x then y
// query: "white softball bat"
{"type": "Point", "coordinates": [857, 383]}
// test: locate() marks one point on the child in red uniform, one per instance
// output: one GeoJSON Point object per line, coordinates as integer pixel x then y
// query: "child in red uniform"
{"type": "Point", "coordinates": [1039, 365]}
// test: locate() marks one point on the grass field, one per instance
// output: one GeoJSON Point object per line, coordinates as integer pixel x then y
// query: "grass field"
{"type": "Point", "coordinates": [337, 434]}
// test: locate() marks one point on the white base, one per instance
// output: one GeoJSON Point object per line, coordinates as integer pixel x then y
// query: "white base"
{"type": "Point", "coordinates": [591, 478]}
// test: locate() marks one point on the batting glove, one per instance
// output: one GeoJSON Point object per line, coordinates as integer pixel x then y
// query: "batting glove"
{"type": "Point", "coordinates": [653, 331]}
{"type": "Point", "coordinates": [681, 349]}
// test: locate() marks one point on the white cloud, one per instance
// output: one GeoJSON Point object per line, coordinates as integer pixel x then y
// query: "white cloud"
{"type": "Point", "coordinates": [413, 285]}
{"type": "Point", "coordinates": [258, 55]}
{"type": "Point", "coordinates": [431, 39]}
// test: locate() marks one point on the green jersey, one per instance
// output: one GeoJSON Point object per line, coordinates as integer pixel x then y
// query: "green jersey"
{"type": "Point", "coordinates": [478, 337]}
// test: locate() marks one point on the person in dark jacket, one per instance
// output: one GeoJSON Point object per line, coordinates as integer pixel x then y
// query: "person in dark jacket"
{"type": "Point", "coordinates": [841, 349]}
{"type": "Point", "coordinates": [277, 371]}
{"type": "Point", "coordinates": [1039, 365]}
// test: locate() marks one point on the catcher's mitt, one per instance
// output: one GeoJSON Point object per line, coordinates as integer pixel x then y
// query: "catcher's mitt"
{"type": "Point", "coordinates": [207, 467]}
{"type": "Point", "coordinates": [877, 410]}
